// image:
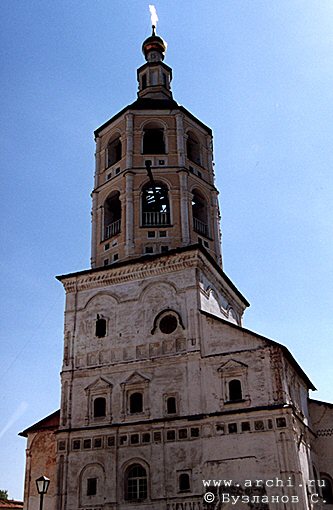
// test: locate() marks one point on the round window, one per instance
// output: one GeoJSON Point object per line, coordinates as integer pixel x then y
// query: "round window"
{"type": "Point", "coordinates": [168, 324]}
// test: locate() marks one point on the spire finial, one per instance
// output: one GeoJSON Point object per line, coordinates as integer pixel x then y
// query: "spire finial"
{"type": "Point", "coordinates": [153, 30]}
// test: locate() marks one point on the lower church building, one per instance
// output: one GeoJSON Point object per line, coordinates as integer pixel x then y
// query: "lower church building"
{"type": "Point", "coordinates": [167, 401]}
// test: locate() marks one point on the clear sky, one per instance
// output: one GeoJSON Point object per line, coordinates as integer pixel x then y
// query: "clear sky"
{"type": "Point", "coordinates": [260, 73]}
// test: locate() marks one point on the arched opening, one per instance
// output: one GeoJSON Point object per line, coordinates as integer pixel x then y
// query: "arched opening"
{"type": "Point", "coordinates": [235, 390]}
{"type": "Point", "coordinates": [155, 205]}
{"type": "Point", "coordinates": [136, 483]}
{"type": "Point", "coordinates": [136, 403]}
{"type": "Point", "coordinates": [200, 214]}
{"type": "Point", "coordinates": [193, 148]}
{"type": "Point", "coordinates": [114, 150]}
{"type": "Point", "coordinates": [184, 482]}
{"type": "Point", "coordinates": [171, 405]}
{"type": "Point", "coordinates": [153, 140]}
{"type": "Point", "coordinates": [99, 407]}
{"type": "Point", "coordinates": [100, 327]}
{"type": "Point", "coordinates": [112, 215]}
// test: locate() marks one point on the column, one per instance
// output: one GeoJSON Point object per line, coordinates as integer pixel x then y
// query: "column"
{"type": "Point", "coordinates": [184, 219]}
{"type": "Point", "coordinates": [129, 248]}
{"type": "Point", "coordinates": [129, 140]}
{"type": "Point", "coordinates": [180, 140]}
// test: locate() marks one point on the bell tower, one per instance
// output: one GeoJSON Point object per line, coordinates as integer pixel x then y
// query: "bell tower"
{"type": "Point", "coordinates": [154, 182]}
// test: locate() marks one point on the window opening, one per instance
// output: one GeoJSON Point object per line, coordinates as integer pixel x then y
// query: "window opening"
{"type": "Point", "coordinates": [235, 390]}
{"type": "Point", "coordinates": [91, 486]}
{"type": "Point", "coordinates": [184, 482]}
{"type": "Point", "coordinates": [144, 81]}
{"type": "Point", "coordinates": [155, 205]}
{"type": "Point", "coordinates": [112, 215]}
{"type": "Point", "coordinates": [153, 141]}
{"type": "Point", "coordinates": [100, 327]}
{"type": "Point", "coordinates": [168, 324]}
{"type": "Point", "coordinates": [99, 407]}
{"type": "Point", "coordinates": [114, 151]}
{"type": "Point", "coordinates": [171, 405]}
{"type": "Point", "coordinates": [193, 149]}
{"type": "Point", "coordinates": [199, 213]}
{"type": "Point", "coordinates": [136, 403]}
{"type": "Point", "coordinates": [136, 483]}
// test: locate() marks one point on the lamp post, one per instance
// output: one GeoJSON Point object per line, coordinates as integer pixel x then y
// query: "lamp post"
{"type": "Point", "coordinates": [42, 486]}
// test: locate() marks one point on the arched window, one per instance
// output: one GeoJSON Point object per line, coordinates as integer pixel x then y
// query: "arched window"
{"type": "Point", "coordinates": [136, 403]}
{"type": "Point", "coordinates": [100, 327]}
{"type": "Point", "coordinates": [193, 148]}
{"type": "Point", "coordinates": [184, 482]}
{"type": "Point", "coordinates": [114, 151]}
{"type": "Point", "coordinates": [155, 205]}
{"type": "Point", "coordinates": [136, 483]}
{"type": "Point", "coordinates": [153, 140]}
{"type": "Point", "coordinates": [112, 215]}
{"type": "Point", "coordinates": [171, 405]}
{"type": "Point", "coordinates": [235, 390]}
{"type": "Point", "coordinates": [327, 489]}
{"type": "Point", "coordinates": [99, 407]}
{"type": "Point", "coordinates": [200, 214]}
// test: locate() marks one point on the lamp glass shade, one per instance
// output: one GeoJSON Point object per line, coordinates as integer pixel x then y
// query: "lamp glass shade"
{"type": "Point", "coordinates": [42, 484]}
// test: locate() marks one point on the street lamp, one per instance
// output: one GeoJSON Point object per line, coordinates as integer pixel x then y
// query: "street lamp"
{"type": "Point", "coordinates": [42, 486]}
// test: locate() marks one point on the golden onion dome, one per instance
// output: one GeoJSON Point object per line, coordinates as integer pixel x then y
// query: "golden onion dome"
{"type": "Point", "coordinates": [154, 43]}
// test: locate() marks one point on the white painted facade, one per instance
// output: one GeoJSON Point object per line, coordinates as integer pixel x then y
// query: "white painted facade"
{"type": "Point", "coordinates": [162, 386]}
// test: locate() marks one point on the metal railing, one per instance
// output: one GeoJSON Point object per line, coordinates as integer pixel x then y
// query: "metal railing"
{"type": "Point", "coordinates": [200, 227]}
{"type": "Point", "coordinates": [113, 229]}
{"type": "Point", "coordinates": [155, 219]}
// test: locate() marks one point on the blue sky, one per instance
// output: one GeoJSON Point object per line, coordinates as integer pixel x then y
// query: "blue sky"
{"type": "Point", "coordinates": [260, 73]}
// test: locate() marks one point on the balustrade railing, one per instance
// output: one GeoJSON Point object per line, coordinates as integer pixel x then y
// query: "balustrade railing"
{"type": "Point", "coordinates": [156, 219]}
{"type": "Point", "coordinates": [113, 229]}
{"type": "Point", "coordinates": [200, 227]}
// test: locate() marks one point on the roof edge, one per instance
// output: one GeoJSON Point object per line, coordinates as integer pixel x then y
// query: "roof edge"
{"type": "Point", "coordinates": [286, 351]}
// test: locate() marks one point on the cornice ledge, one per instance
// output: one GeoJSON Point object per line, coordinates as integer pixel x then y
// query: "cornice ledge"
{"type": "Point", "coordinates": [135, 271]}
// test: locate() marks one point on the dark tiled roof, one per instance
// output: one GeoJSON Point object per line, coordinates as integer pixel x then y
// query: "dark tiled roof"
{"type": "Point", "coordinates": [10, 504]}
{"type": "Point", "coordinates": [50, 422]}
{"type": "Point", "coordinates": [152, 104]}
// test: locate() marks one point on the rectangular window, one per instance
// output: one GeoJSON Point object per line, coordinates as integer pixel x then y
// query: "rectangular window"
{"type": "Point", "coordinates": [157, 437]}
{"type": "Point", "coordinates": [162, 233]}
{"type": "Point", "coordinates": [164, 249]}
{"type": "Point", "coordinates": [149, 249]}
{"type": "Point", "coordinates": [281, 422]}
{"type": "Point", "coordinates": [182, 433]}
{"type": "Point", "coordinates": [91, 486]}
{"type": "Point", "coordinates": [118, 170]}
{"type": "Point", "coordinates": [246, 426]}
{"type": "Point", "coordinates": [259, 425]}
{"type": "Point", "coordinates": [270, 424]}
{"type": "Point", "coordinates": [135, 439]}
{"type": "Point", "coordinates": [106, 246]}
{"type": "Point", "coordinates": [106, 262]}
{"type": "Point", "coordinates": [171, 435]}
{"type": "Point", "coordinates": [98, 442]}
{"type": "Point", "coordinates": [115, 257]}
{"type": "Point", "coordinates": [151, 233]}
{"type": "Point", "coordinates": [146, 437]}
{"type": "Point", "coordinates": [86, 444]}
{"type": "Point", "coordinates": [123, 440]}
{"type": "Point", "coordinates": [61, 445]}
{"type": "Point", "coordinates": [232, 428]}
{"type": "Point", "coordinates": [195, 432]}
{"type": "Point", "coordinates": [76, 444]}
{"type": "Point", "coordinates": [111, 441]}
